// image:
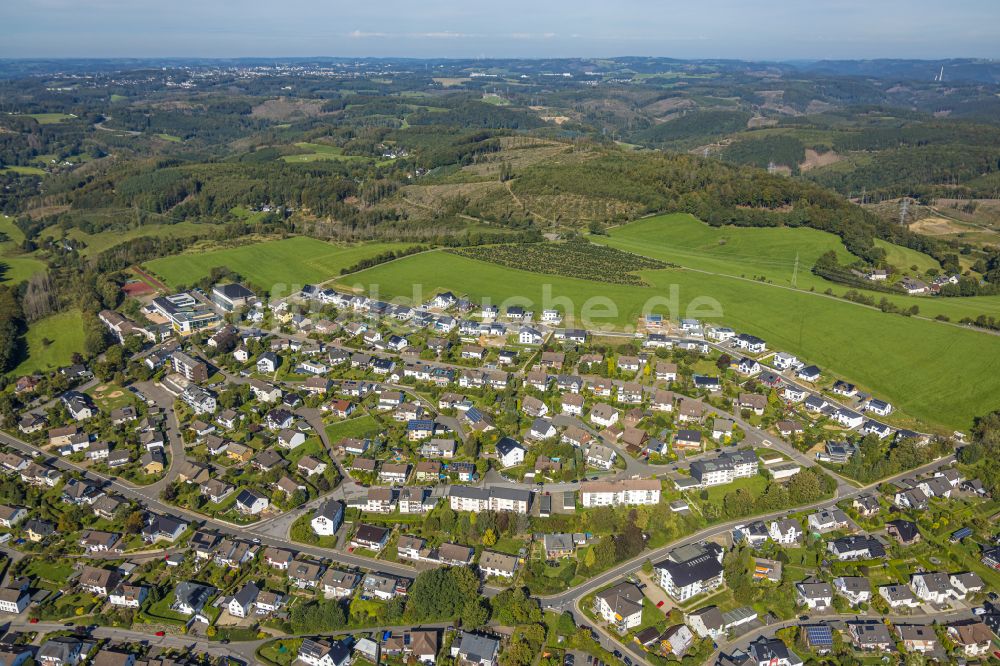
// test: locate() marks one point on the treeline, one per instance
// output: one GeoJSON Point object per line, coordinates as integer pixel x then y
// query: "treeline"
{"type": "Point", "coordinates": [692, 126]}
{"type": "Point", "coordinates": [877, 459]}
{"type": "Point", "coordinates": [383, 258]}
{"type": "Point", "coordinates": [808, 486]}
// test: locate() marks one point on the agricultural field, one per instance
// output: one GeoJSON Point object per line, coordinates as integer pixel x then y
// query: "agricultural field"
{"type": "Point", "coordinates": [97, 243]}
{"type": "Point", "coordinates": [782, 256]}
{"type": "Point", "coordinates": [51, 118]}
{"type": "Point", "coordinates": [578, 259]}
{"type": "Point", "coordinates": [321, 151]}
{"type": "Point", "coordinates": [64, 334]}
{"type": "Point", "coordinates": [271, 264]}
{"type": "Point", "coordinates": [839, 336]}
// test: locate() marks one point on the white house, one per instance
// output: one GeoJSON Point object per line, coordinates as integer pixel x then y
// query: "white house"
{"type": "Point", "coordinates": [509, 452]}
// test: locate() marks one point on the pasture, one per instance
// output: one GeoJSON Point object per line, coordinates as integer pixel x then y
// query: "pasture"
{"type": "Point", "coordinates": [15, 267]}
{"type": "Point", "coordinates": [321, 151]}
{"type": "Point", "coordinates": [97, 243]}
{"type": "Point", "coordinates": [943, 375]}
{"type": "Point", "coordinates": [64, 334]}
{"type": "Point", "coordinates": [271, 264]}
{"type": "Point", "coordinates": [783, 256]}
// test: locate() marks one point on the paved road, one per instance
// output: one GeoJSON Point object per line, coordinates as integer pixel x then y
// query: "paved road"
{"type": "Point", "coordinates": [153, 503]}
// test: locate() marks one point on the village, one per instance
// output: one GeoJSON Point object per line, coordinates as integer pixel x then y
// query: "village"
{"type": "Point", "coordinates": [235, 466]}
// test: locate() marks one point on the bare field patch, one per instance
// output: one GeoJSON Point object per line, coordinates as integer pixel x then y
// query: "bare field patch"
{"type": "Point", "coordinates": [937, 226]}
{"type": "Point", "coordinates": [816, 159]}
{"type": "Point", "coordinates": [284, 108]}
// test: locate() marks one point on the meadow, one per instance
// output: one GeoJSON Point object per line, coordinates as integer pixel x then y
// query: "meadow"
{"type": "Point", "coordinates": [96, 243]}
{"type": "Point", "coordinates": [783, 256]}
{"type": "Point", "coordinates": [64, 331]}
{"type": "Point", "coordinates": [15, 267]}
{"type": "Point", "coordinates": [941, 374]}
{"type": "Point", "coordinates": [290, 261]}
{"type": "Point", "coordinates": [321, 151]}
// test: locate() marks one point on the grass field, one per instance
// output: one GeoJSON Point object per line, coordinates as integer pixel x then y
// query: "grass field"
{"type": "Point", "coordinates": [941, 374]}
{"type": "Point", "coordinates": [322, 151]}
{"type": "Point", "coordinates": [784, 256]}
{"type": "Point", "coordinates": [170, 137]}
{"type": "Point", "coordinates": [65, 330]}
{"type": "Point", "coordinates": [271, 265]}
{"type": "Point", "coordinates": [904, 258]}
{"type": "Point", "coordinates": [358, 428]}
{"type": "Point", "coordinates": [51, 118]}
{"type": "Point", "coordinates": [97, 243]}
{"type": "Point", "coordinates": [25, 170]}
{"type": "Point", "coordinates": [15, 269]}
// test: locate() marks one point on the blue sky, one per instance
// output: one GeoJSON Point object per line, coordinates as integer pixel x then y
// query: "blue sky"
{"type": "Point", "coordinates": [746, 29]}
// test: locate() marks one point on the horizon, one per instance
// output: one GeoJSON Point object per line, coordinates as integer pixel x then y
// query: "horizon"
{"type": "Point", "coordinates": [770, 31]}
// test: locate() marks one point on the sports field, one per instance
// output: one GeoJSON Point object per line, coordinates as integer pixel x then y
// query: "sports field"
{"type": "Point", "coordinates": [65, 333]}
{"type": "Point", "coordinates": [782, 255]}
{"type": "Point", "coordinates": [941, 374]}
{"type": "Point", "coordinates": [270, 265]}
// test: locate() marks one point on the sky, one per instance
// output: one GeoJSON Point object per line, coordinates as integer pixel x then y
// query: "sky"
{"type": "Point", "coordinates": [742, 29]}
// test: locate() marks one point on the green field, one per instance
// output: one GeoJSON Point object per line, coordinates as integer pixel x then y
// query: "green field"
{"type": "Point", "coordinates": [272, 264]}
{"type": "Point", "coordinates": [97, 243]}
{"type": "Point", "coordinates": [358, 428]}
{"type": "Point", "coordinates": [51, 118]}
{"type": "Point", "coordinates": [65, 330]}
{"type": "Point", "coordinates": [782, 255]}
{"type": "Point", "coordinates": [322, 151]}
{"type": "Point", "coordinates": [170, 137]}
{"type": "Point", "coordinates": [941, 374]}
{"type": "Point", "coordinates": [15, 267]}
{"type": "Point", "coordinates": [904, 258]}
{"type": "Point", "coordinates": [25, 170]}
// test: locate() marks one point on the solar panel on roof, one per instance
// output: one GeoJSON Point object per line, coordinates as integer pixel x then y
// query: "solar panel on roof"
{"type": "Point", "coordinates": [819, 635]}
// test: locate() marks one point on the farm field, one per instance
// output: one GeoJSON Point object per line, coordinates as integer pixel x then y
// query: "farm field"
{"type": "Point", "coordinates": [321, 151]}
{"type": "Point", "coordinates": [751, 252]}
{"type": "Point", "coordinates": [25, 170]}
{"type": "Point", "coordinates": [97, 243]}
{"type": "Point", "coordinates": [271, 264]}
{"type": "Point", "coordinates": [64, 330]}
{"type": "Point", "coordinates": [905, 360]}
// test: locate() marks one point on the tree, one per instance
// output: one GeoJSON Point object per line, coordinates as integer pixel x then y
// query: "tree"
{"type": "Point", "coordinates": [489, 538]}
{"type": "Point", "coordinates": [475, 613]}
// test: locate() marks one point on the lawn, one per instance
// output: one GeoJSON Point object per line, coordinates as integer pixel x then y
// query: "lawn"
{"type": "Point", "coordinates": [56, 572]}
{"type": "Point", "coordinates": [357, 428]}
{"type": "Point", "coordinates": [65, 333]}
{"type": "Point", "coordinates": [170, 137]}
{"type": "Point", "coordinates": [277, 266]}
{"type": "Point", "coordinates": [111, 396]}
{"type": "Point", "coordinates": [905, 360]}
